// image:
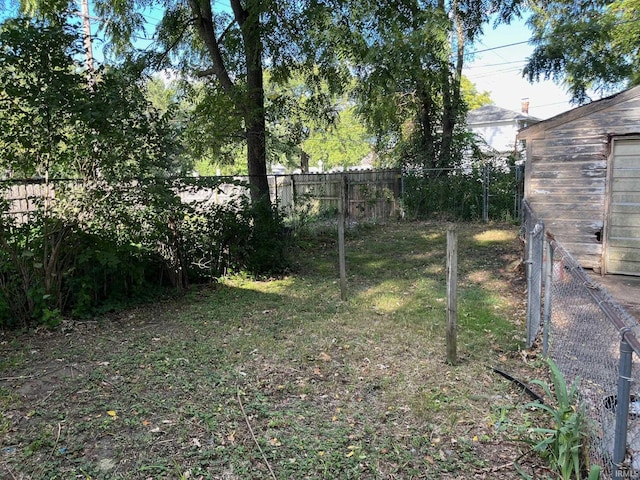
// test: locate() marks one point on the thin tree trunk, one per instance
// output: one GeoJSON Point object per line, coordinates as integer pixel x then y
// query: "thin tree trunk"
{"type": "Point", "coordinates": [427, 121]}
{"type": "Point", "coordinates": [451, 92]}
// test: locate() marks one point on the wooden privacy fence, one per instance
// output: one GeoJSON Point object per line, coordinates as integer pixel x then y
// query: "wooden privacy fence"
{"type": "Point", "coordinates": [26, 197]}
{"type": "Point", "coordinates": [369, 194]}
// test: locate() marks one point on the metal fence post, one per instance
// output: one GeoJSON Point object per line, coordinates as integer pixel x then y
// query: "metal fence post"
{"type": "Point", "coordinates": [293, 193]}
{"type": "Point", "coordinates": [275, 182]}
{"type": "Point", "coordinates": [548, 280]}
{"type": "Point", "coordinates": [622, 408]}
{"type": "Point", "coordinates": [485, 193]}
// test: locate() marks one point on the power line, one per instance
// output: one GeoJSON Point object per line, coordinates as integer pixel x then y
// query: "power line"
{"type": "Point", "coordinates": [499, 47]}
{"type": "Point", "coordinates": [546, 37]}
{"type": "Point", "coordinates": [496, 64]}
{"type": "Point", "coordinates": [496, 72]}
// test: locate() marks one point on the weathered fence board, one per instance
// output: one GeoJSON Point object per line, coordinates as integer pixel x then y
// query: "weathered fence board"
{"type": "Point", "coordinates": [370, 194]}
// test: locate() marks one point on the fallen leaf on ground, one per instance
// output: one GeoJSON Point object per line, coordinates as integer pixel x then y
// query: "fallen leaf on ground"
{"type": "Point", "coordinates": [325, 357]}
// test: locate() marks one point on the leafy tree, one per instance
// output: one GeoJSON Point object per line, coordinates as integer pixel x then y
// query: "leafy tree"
{"type": "Point", "coordinates": [40, 86]}
{"type": "Point", "coordinates": [587, 46]}
{"type": "Point", "coordinates": [411, 72]}
{"type": "Point", "coordinates": [229, 47]}
{"type": "Point", "coordinates": [54, 124]}
{"type": "Point", "coordinates": [343, 144]}
{"type": "Point", "coordinates": [107, 129]}
{"type": "Point", "coordinates": [308, 125]}
{"type": "Point", "coordinates": [301, 123]}
{"type": "Point", "coordinates": [163, 95]}
{"type": "Point", "coordinates": [472, 98]}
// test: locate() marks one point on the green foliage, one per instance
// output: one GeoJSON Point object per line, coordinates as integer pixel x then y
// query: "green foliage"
{"type": "Point", "coordinates": [40, 86]}
{"type": "Point", "coordinates": [212, 125]}
{"type": "Point", "coordinates": [120, 232]}
{"type": "Point", "coordinates": [103, 246]}
{"type": "Point", "coordinates": [269, 241]}
{"type": "Point", "coordinates": [563, 443]}
{"type": "Point", "coordinates": [228, 50]}
{"type": "Point", "coordinates": [344, 144]}
{"type": "Point", "coordinates": [124, 136]}
{"type": "Point", "coordinates": [458, 192]}
{"type": "Point", "coordinates": [107, 129]}
{"type": "Point", "coordinates": [586, 46]}
{"type": "Point", "coordinates": [409, 90]}
{"type": "Point", "coordinates": [472, 98]}
{"type": "Point", "coordinates": [33, 261]}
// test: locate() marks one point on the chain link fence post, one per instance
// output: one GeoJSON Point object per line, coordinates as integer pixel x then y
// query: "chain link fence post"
{"type": "Point", "coordinates": [533, 264]}
{"type": "Point", "coordinates": [548, 282]}
{"type": "Point", "coordinates": [622, 409]}
{"type": "Point", "coordinates": [485, 192]}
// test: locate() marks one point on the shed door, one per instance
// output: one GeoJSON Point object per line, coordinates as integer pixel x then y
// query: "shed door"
{"type": "Point", "coordinates": [622, 253]}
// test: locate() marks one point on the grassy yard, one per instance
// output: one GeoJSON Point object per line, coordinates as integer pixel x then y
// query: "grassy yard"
{"type": "Point", "coordinates": [280, 378]}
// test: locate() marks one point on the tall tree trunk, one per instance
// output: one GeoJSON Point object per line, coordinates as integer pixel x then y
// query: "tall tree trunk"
{"type": "Point", "coordinates": [248, 18]}
{"type": "Point", "coordinates": [251, 104]}
{"type": "Point", "coordinates": [255, 120]}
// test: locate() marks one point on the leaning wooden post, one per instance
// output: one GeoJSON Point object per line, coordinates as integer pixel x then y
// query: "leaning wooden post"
{"type": "Point", "coordinates": [452, 295]}
{"type": "Point", "coordinates": [341, 249]}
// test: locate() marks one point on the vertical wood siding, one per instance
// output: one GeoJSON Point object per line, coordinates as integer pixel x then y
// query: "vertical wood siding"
{"type": "Point", "coordinates": [566, 171]}
{"type": "Point", "coordinates": [622, 252]}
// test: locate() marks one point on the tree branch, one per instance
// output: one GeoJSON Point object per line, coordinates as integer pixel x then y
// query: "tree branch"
{"type": "Point", "coordinates": [206, 73]}
{"type": "Point", "coordinates": [239, 12]}
{"type": "Point", "coordinates": [173, 45]}
{"type": "Point", "coordinates": [204, 23]}
{"type": "Point", "coordinates": [225, 31]}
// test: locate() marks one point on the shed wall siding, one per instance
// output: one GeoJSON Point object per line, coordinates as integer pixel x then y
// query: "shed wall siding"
{"type": "Point", "coordinates": [566, 176]}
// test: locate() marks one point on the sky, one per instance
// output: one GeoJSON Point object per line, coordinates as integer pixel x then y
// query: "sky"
{"type": "Point", "coordinates": [499, 71]}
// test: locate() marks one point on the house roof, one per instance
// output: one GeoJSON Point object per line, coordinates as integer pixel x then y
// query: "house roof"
{"type": "Point", "coordinates": [494, 114]}
{"type": "Point", "coordinates": [578, 112]}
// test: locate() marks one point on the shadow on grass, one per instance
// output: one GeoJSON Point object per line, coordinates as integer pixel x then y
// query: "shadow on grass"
{"type": "Point", "coordinates": [326, 389]}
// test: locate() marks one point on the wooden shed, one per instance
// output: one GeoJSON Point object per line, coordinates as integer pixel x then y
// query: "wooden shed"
{"type": "Point", "coordinates": [582, 179]}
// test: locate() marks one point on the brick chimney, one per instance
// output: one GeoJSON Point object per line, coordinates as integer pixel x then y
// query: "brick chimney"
{"type": "Point", "coordinates": [525, 106]}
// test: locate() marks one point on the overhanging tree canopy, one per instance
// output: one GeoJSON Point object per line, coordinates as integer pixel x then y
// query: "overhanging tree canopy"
{"type": "Point", "coordinates": [412, 53]}
{"type": "Point", "coordinates": [230, 46]}
{"type": "Point", "coordinates": [587, 46]}
{"type": "Point", "coordinates": [408, 55]}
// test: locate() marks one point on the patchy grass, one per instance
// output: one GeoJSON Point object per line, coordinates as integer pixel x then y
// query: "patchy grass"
{"type": "Point", "coordinates": [261, 379]}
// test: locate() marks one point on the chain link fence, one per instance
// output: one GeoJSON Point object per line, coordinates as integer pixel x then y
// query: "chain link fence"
{"type": "Point", "coordinates": [593, 341]}
{"type": "Point", "coordinates": [485, 191]}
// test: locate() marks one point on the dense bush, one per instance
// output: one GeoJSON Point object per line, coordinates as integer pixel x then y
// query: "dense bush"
{"type": "Point", "coordinates": [102, 246]}
{"type": "Point", "coordinates": [123, 230]}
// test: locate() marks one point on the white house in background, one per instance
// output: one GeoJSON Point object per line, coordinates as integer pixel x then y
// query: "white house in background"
{"type": "Point", "coordinates": [498, 126]}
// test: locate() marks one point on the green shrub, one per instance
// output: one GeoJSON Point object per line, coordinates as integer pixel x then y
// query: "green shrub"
{"type": "Point", "coordinates": [457, 193]}
{"type": "Point", "coordinates": [106, 246]}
